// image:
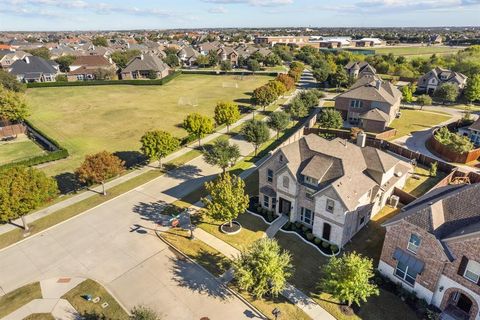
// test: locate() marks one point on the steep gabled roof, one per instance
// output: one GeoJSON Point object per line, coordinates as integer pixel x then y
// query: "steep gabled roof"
{"type": "Point", "coordinates": [34, 65]}
{"type": "Point", "coordinates": [146, 62]}
{"type": "Point", "coordinates": [371, 88]}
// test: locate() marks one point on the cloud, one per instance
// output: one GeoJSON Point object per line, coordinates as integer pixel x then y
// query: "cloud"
{"type": "Point", "coordinates": [218, 10]}
{"type": "Point", "coordinates": [255, 3]}
{"type": "Point", "coordinates": [394, 6]}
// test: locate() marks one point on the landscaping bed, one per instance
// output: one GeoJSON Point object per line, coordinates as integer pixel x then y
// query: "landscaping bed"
{"type": "Point", "coordinates": [306, 233]}
{"type": "Point", "coordinates": [257, 208]}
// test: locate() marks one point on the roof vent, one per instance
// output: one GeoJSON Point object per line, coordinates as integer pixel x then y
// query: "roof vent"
{"type": "Point", "coordinates": [398, 173]}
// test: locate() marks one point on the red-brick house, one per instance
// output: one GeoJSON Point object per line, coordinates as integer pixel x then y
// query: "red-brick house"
{"type": "Point", "coordinates": [432, 248]}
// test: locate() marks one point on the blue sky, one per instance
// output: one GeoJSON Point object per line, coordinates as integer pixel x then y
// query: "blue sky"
{"type": "Point", "coordinates": [161, 14]}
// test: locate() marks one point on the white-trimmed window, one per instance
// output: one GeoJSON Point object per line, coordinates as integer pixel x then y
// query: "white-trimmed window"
{"type": "Point", "coordinates": [285, 182]}
{"type": "Point", "coordinates": [356, 104]}
{"type": "Point", "coordinates": [472, 271]}
{"type": "Point", "coordinates": [309, 193]}
{"type": "Point", "coordinates": [330, 205]}
{"type": "Point", "coordinates": [266, 201]}
{"type": "Point", "coordinates": [414, 243]}
{"type": "Point", "coordinates": [402, 271]}
{"type": "Point", "coordinates": [310, 180]}
{"type": "Point", "coordinates": [269, 175]}
{"type": "Point", "coordinates": [306, 216]}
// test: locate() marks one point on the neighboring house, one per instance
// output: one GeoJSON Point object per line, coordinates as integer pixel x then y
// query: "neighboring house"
{"type": "Point", "coordinates": [140, 67]}
{"type": "Point", "coordinates": [430, 81]}
{"type": "Point", "coordinates": [35, 69]}
{"type": "Point", "coordinates": [228, 54]}
{"type": "Point", "coordinates": [432, 248]}
{"type": "Point", "coordinates": [371, 104]}
{"type": "Point", "coordinates": [436, 39]}
{"type": "Point", "coordinates": [333, 187]}
{"type": "Point", "coordinates": [206, 47]}
{"type": "Point", "coordinates": [86, 67]}
{"type": "Point", "coordinates": [472, 132]}
{"type": "Point", "coordinates": [188, 55]}
{"type": "Point", "coordinates": [9, 58]}
{"type": "Point", "coordinates": [358, 69]}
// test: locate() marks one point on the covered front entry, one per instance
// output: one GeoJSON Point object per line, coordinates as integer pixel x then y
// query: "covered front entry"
{"type": "Point", "coordinates": [458, 307]}
{"type": "Point", "coordinates": [285, 207]}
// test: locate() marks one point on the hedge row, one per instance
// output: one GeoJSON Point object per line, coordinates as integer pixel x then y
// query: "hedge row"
{"type": "Point", "coordinates": [155, 82]}
{"type": "Point", "coordinates": [60, 153]}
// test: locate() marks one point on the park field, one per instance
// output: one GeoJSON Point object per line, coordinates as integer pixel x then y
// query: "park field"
{"type": "Point", "coordinates": [417, 51]}
{"type": "Point", "coordinates": [90, 119]}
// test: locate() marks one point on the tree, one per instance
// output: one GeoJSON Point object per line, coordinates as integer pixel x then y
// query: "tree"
{"type": "Point", "coordinates": [472, 90]}
{"type": "Point", "coordinates": [172, 60]}
{"type": "Point", "coordinates": [348, 278]}
{"type": "Point", "coordinates": [152, 75]}
{"type": "Point", "coordinates": [12, 105]}
{"type": "Point", "coordinates": [287, 81]}
{"type": "Point", "coordinates": [41, 52]}
{"type": "Point", "coordinates": [320, 74]}
{"type": "Point", "coordinates": [103, 74]}
{"type": "Point", "coordinates": [330, 118]}
{"type": "Point", "coordinates": [158, 144]}
{"type": "Point", "coordinates": [272, 60]}
{"type": "Point", "coordinates": [222, 154]}
{"type": "Point", "coordinates": [212, 58]}
{"type": "Point", "coordinates": [10, 82]}
{"type": "Point", "coordinates": [144, 313]}
{"type": "Point", "coordinates": [253, 65]}
{"type": "Point", "coordinates": [100, 41]}
{"type": "Point", "coordinates": [226, 113]}
{"type": "Point", "coordinates": [277, 87]}
{"type": "Point", "coordinates": [227, 198]}
{"type": "Point", "coordinates": [297, 109]}
{"type": "Point", "coordinates": [256, 132]}
{"type": "Point", "coordinates": [263, 268]}
{"type": "Point", "coordinates": [202, 61]}
{"type": "Point", "coordinates": [339, 78]}
{"type": "Point", "coordinates": [433, 169]}
{"type": "Point", "coordinates": [263, 96]}
{"type": "Point", "coordinates": [121, 58]}
{"type": "Point", "coordinates": [65, 62]}
{"type": "Point", "coordinates": [23, 190]}
{"type": "Point", "coordinates": [407, 94]}
{"type": "Point", "coordinates": [309, 98]}
{"type": "Point", "coordinates": [424, 100]}
{"type": "Point", "coordinates": [226, 65]}
{"type": "Point", "coordinates": [447, 92]}
{"type": "Point", "coordinates": [198, 125]}
{"type": "Point", "coordinates": [97, 168]}
{"type": "Point", "coordinates": [278, 121]}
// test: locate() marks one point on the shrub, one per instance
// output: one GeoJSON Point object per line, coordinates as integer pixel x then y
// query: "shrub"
{"type": "Point", "coordinates": [453, 141]}
{"type": "Point", "coordinates": [317, 241]}
{"type": "Point", "coordinates": [270, 217]}
{"type": "Point", "coordinates": [433, 169]}
{"type": "Point", "coordinates": [305, 229]}
{"type": "Point", "coordinates": [298, 225]}
{"type": "Point", "coordinates": [310, 236]}
{"type": "Point", "coordinates": [334, 248]}
{"type": "Point", "coordinates": [325, 244]}
{"type": "Point", "coordinates": [287, 226]}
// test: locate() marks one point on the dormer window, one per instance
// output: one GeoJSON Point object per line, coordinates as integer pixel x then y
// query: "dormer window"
{"type": "Point", "coordinates": [310, 180]}
{"type": "Point", "coordinates": [414, 243]}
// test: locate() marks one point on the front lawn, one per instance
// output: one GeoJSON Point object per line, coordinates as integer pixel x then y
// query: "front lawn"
{"type": "Point", "coordinates": [420, 183]}
{"type": "Point", "coordinates": [94, 118]}
{"type": "Point", "coordinates": [416, 120]}
{"type": "Point", "coordinates": [19, 297]}
{"type": "Point", "coordinates": [19, 149]}
{"type": "Point", "coordinates": [84, 307]}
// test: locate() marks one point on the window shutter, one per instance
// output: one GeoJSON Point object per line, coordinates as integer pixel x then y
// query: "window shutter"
{"type": "Point", "coordinates": [463, 266]}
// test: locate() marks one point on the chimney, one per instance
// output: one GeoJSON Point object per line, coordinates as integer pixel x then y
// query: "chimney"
{"type": "Point", "coordinates": [27, 60]}
{"type": "Point", "coordinates": [141, 56]}
{"type": "Point", "coordinates": [378, 84]}
{"type": "Point", "coordinates": [361, 139]}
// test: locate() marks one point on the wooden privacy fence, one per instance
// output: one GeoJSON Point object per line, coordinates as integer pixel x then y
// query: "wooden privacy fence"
{"type": "Point", "coordinates": [447, 154]}
{"type": "Point", "coordinates": [12, 130]}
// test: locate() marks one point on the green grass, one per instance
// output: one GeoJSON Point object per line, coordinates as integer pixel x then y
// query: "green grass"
{"type": "Point", "coordinates": [91, 119]}
{"type": "Point", "coordinates": [416, 50]}
{"type": "Point", "coordinates": [19, 297]}
{"type": "Point", "coordinates": [40, 316]}
{"type": "Point", "coordinates": [76, 299]}
{"type": "Point", "coordinates": [416, 120]}
{"type": "Point", "coordinates": [423, 181]}
{"type": "Point", "coordinates": [19, 149]}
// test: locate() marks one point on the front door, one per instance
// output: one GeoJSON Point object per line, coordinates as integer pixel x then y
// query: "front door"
{"type": "Point", "coordinates": [285, 206]}
{"type": "Point", "coordinates": [327, 228]}
{"type": "Point", "coordinates": [464, 303]}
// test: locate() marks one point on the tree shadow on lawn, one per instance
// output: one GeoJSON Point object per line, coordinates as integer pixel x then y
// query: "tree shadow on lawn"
{"type": "Point", "coordinates": [67, 182]}
{"type": "Point", "coordinates": [188, 275]}
{"type": "Point", "coordinates": [131, 158]}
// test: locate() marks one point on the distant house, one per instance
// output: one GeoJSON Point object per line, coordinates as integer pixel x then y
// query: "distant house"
{"type": "Point", "coordinates": [358, 69]}
{"type": "Point", "coordinates": [333, 187]}
{"type": "Point", "coordinates": [205, 47]}
{"type": "Point", "coordinates": [436, 39]}
{"type": "Point", "coordinates": [142, 66]}
{"type": "Point", "coordinates": [35, 69]}
{"type": "Point", "coordinates": [430, 81]}
{"type": "Point", "coordinates": [188, 56]}
{"type": "Point", "coordinates": [86, 67]}
{"type": "Point", "coordinates": [371, 104]}
{"type": "Point", "coordinates": [432, 248]}
{"type": "Point", "coordinates": [10, 57]}
{"type": "Point", "coordinates": [228, 54]}
{"type": "Point", "coordinates": [472, 132]}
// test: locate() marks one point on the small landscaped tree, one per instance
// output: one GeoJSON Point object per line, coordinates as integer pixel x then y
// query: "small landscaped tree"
{"type": "Point", "coordinates": [172, 60]}
{"type": "Point", "coordinates": [97, 168]}
{"type": "Point", "coordinates": [263, 269]}
{"type": "Point", "coordinates": [202, 61]}
{"type": "Point", "coordinates": [10, 82]}
{"type": "Point", "coordinates": [297, 109]}
{"type": "Point", "coordinates": [152, 75]}
{"type": "Point", "coordinates": [433, 169]}
{"type": "Point", "coordinates": [253, 65]}
{"type": "Point", "coordinates": [447, 92]}
{"type": "Point", "coordinates": [330, 118]}
{"type": "Point", "coordinates": [100, 41]}
{"type": "Point", "coordinates": [157, 144]}
{"type": "Point", "coordinates": [64, 62]}
{"type": "Point", "coordinates": [278, 121]}
{"type": "Point", "coordinates": [277, 87]}
{"type": "Point", "coordinates": [424, 100]}
{"type": "Point", "coordinates": [22, 190]}
{"type": "Point", "coordinates": [222, 154]}
{"type": "Point", "coordinates": [227, 113]}
{"type": "Point", "coordinates": [263, 96]}
{"type": "Point", "coordinates": [407, 94]}
{"type": "Point", "coordinates": [226, 65]}
{"type": "Point", "coordinates": [198, 126]}
{"type": "Point", "coordinates": [227, 198]}
{"type": "Point", "coordinates": [256, 132]}
{"type": "Point", "coordinates": [272, 60]}
{"type": "Point", "coordinates": [309, 98]}
{"type": "Point", "coordinates": [12, 105]}
{"type": "Point", "coordinates": [472, 90]}
{"type": "Point", "coordinates": [144, 313]}
{"type": "Point", "coordinates": [339, 78]}
{"type": "Point", "coordinates": [349, 278]}
{"type": "Point", "coordinates": [287, 81]}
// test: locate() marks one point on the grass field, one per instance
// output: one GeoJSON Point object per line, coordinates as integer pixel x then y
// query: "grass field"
{"type": "Point", "coordinates": [416, 120]}
{"type": "Point", "coordinates": [417, 50]}
{"type": "Point", "coordinates": [95, 118]}
{"type": "Point", "coordinates": [18, 298]}
{"type": "Point", "coordinates": [18, 149]}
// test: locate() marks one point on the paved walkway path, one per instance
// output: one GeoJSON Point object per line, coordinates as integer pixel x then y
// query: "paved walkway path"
{"type": "Point", "coordinates": [51, 301]}
{"type": "Point", "coordinates": [276, 225]}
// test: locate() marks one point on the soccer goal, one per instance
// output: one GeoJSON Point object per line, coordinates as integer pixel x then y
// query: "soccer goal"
{"type": "Point", "coordinates": [229, 84]}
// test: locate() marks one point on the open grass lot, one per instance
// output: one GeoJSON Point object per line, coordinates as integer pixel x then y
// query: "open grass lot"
{"type": "Point", "coordinates": [417, 50]}
{"type": "Point", "coordinates": [84, 307]}
{"type": "Point", "coordinates": [18, 298]}
{"type": "Point", "coordinates": [422, 182]}
{"type": "Point", "coordinates": [416, 120]}
{"type": "Point", "coordinates": [19, 149]}
{"type": "Point", "coordinates": [94, 118]}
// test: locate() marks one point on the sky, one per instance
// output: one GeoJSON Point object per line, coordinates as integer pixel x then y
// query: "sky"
{"type": "Point", "coordinates": [53, 15]}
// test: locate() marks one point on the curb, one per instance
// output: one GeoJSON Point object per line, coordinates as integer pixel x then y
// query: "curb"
{"type": "Point", "coordinates": [157, 232]}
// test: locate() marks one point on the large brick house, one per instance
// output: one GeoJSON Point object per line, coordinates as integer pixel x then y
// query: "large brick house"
{"type": "Point", "coordinates": [358, 69]}
{"type": "Point", "coordinates": [333, 187]}
{"type": "Point", "coordinates": [142, 67]}
{"type": "Point", "coordinates": [430, 81]}
{"type": "Point", "coordinates": [87, 67]}
{"type": "Point", "coordinates": [371, 104]}
{"type": "Point", "coordinates": [432, 248]}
